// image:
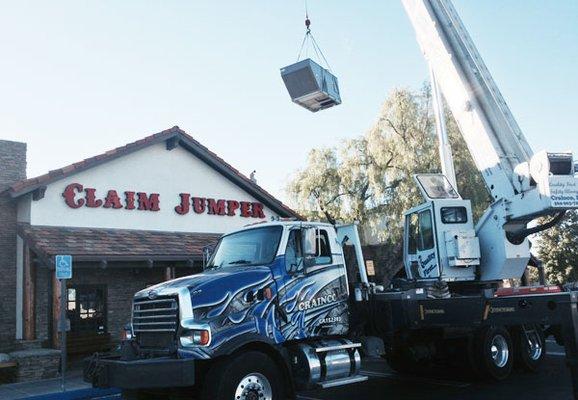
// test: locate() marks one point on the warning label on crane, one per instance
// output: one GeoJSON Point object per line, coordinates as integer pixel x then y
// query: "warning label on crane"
{"type": "Point", "coordinates": [564, 191]}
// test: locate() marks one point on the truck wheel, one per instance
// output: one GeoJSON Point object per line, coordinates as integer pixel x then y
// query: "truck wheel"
{"type": "Point", "coordinates": [491, 353]}
{"type": "Point", "coordinates": [248, 376]}
{"type": "Point", "coordinates": [530, 347]}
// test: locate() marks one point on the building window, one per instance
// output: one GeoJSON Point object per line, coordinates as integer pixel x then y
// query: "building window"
{"type": "Point", "coordinates": [86, 309]}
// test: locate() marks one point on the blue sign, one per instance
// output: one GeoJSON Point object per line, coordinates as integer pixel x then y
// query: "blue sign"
{"type": "Point", "coordinates": [63, 267]}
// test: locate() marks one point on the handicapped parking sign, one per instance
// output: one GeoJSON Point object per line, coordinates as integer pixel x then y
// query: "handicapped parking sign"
{"type": "Point", "coordinates": [63, 267]}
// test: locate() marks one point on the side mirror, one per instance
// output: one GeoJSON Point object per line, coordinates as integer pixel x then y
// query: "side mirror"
{"type": "Point", "coordinates": [309, 237]}
{"type": "Point", "coordinates": [207, 253]}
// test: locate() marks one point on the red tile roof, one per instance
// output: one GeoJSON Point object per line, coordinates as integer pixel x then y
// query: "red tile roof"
{"type": "Point", "coordinates": [174, 133]}
{"type": "Point", "coordinates": [95, 244]}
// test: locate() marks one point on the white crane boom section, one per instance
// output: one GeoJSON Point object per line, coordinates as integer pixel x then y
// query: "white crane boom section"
{"type": "Point", "coordinates": [492, 135]}
{"type": "Point", "coordinates": [523, 185]}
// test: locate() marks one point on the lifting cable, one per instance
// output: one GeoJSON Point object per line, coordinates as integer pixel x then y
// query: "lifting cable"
{"type": "Point", "coordinates": [309, 41]}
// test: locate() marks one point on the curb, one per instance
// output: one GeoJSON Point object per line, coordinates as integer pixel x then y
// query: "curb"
{"type": "Point", "coordinates": [79, 394]}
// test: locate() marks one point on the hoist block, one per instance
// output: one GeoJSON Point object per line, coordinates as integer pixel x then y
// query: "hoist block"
{"type": "Point", "coordinates": [311, 86]}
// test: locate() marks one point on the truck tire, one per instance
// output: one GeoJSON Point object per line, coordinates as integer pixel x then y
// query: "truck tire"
{"type": "Point", "coordinates": [491, 353]}
{"type": "Point", "coordinates": [530, 350]}
{"type": "Point", "coordinates": [248, 376]}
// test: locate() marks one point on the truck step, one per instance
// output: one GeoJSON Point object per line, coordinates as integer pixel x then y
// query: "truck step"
{"type": "Point", "coordinates": [343, 381]}
{"type": "Point", "coordinates": [338, 347]}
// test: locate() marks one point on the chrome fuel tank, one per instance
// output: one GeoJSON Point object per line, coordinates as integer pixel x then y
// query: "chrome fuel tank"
{"type": "Point", "coordinates": [324, 361]}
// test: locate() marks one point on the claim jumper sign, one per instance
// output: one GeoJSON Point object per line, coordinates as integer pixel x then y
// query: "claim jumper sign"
{"type": "Point", "coordinates": [76, 196]}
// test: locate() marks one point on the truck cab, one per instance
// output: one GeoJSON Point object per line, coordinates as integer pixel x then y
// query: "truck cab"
{"type": "Point", "coordinates": [277, 289]}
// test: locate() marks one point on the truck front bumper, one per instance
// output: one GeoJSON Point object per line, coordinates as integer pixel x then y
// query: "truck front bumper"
{"type": "Point", "coordinates": [161, 372]}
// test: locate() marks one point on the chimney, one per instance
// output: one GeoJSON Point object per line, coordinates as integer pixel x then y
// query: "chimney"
{"type": "Point", "coordinates": [12, 169]}
{"type": "Point", "coordinates": [12, 163]}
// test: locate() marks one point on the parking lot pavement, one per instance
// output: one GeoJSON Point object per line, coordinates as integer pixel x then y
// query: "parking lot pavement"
{"type": "Point", "coordinates": [551, 382]}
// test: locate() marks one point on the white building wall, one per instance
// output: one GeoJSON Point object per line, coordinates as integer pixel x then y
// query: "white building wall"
{"type": "Point", "coordinates": [152, 170]}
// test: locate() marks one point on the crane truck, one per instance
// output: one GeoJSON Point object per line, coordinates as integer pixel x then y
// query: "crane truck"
{"type": "Point", "coordinates": [276, 311]}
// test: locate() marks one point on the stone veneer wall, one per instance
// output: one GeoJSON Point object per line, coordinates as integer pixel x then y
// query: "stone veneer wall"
{"type": "Point", "coordinates": [121, 285]}
{"type": "Point", "coordinates": [12, 169]}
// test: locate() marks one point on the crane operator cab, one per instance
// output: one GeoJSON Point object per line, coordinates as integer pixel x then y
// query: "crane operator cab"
{"type": "Point", "coordinates": [440, 242]}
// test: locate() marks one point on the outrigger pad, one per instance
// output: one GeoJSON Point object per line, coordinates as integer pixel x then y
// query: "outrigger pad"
{"type": "Point", "coordinates": [311, 86]}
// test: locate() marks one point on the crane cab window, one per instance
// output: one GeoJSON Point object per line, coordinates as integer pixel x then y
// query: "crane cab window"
{"type": "Point", "coordinates": [435, 186]}
{"type": "Point", "coordinates": [413, 236]}
{"type": "Point", "coordinates": [425, 231]}
{"type": "Point", "coordinates": [454, 215]}
{"type": "Point", "coordinates": [421, 234]}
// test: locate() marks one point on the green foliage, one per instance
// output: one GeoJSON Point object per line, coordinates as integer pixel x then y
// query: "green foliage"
{"type": "Point", "coordinates": [558, 250]}
{"type": "Point", "coordinates": [369, 178]}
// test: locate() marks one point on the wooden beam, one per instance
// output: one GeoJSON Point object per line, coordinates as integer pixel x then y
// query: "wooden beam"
{"type": "Point", "coordinates": [55, 311]}
{"type": "Point", "coordinates": [29, 307]}
{"type": "Point", "coordinates": [172, 143]}
{"type": "Point", "coordinates": [169, 273]}
{"type": "Point", "coordinates": [38, 193]}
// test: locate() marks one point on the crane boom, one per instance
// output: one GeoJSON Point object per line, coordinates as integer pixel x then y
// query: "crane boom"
{"type": "Point", "coordinates": [492, 134]}
{"type": "Point", "coordinates": [523, 185]}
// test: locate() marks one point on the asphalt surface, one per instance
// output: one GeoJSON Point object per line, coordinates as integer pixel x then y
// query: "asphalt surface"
{"type": "Point", "coordinates": [552, 381]}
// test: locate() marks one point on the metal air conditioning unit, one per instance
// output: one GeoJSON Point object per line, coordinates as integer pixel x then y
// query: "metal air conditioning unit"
{"type": "Point", "coordinates": [311, 86]}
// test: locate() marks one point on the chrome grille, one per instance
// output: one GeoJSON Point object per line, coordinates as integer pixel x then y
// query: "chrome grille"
{"type": "Point", "coordinates": [158, 315]}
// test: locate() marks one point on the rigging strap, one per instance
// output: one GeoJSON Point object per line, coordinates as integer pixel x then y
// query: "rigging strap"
{"type": "Point", "coordinates": [308, 41]}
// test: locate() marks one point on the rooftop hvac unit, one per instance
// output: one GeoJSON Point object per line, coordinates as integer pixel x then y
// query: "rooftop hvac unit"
{"type": "Point", "coordinates": [311, 86]}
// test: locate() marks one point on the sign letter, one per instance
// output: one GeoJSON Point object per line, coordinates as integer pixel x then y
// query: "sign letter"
{"type": "Point", "coordinates": [69, 194]}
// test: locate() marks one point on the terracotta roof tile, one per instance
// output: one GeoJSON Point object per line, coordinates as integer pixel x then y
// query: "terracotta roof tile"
{"type": "Point", "coordinates": [115, 244]}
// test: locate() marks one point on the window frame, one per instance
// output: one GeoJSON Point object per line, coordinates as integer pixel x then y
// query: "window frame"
{"type": "Point", "coordinates": [421, 243]}
{"type": "Point", "coordinates": [413, 233]}
{"type": "Point", "coordinates": [323, 233]}
{"type": "Point", "coordinates": [296, 232]}
{"type": "Point", "coordinates": [277, 228]}
{"type": "Point", "coordinates": [454, 207]}
{"type": "Point", "coordinates": [75, 313]}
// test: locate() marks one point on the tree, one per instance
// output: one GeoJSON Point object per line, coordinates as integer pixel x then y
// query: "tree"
{"type": "Point", "coordinates": [370, 178]}
{"type": "Point", "coordinates": [558, 250]}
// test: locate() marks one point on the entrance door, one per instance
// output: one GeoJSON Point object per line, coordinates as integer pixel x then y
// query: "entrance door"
{"type": "Point", "coordinates": [86, 311]}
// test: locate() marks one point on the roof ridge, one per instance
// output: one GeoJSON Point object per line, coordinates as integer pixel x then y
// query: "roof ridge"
{"type": "Point", "coordinates": [28, 185]}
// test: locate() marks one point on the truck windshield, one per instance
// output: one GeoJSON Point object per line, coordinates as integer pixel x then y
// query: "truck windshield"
{"type": "Point", "coordinates": [251, 247]}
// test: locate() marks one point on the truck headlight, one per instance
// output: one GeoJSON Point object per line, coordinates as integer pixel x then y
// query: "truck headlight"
{"type": "Point", "coordinates": [196, 337]}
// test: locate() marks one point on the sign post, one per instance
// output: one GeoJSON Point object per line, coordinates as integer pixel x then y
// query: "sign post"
{"type": "Point", "coordinates": [63, 265]}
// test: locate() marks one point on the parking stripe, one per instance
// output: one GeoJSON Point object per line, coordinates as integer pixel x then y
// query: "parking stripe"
{"type": "Point", "coordinates": [416, 379]}
{"type": "Point", "coordinates": [556, 353]}
{"type": "Point", "coordinates": [301, 397]}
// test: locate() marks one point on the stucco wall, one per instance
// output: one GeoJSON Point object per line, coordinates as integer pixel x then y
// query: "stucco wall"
{"type": "Point", "coordinates": [150, 170]}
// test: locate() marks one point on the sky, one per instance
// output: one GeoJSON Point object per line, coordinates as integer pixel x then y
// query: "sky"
{"type": "Point", "coordinates": [78, 78]}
